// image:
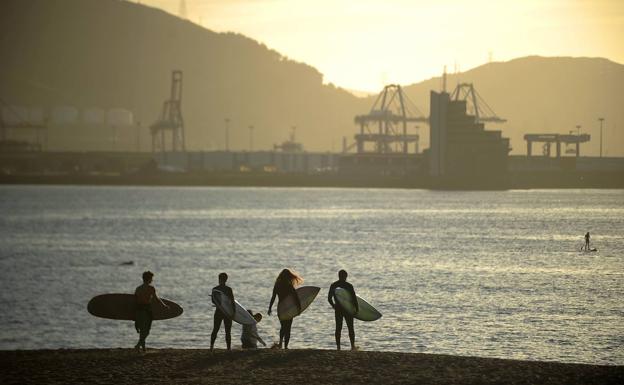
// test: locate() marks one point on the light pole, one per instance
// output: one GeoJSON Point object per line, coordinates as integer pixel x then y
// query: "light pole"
{"type": "Point", "coordinates": [251, 128]}
{"type": "Point", "coordinates": [227, 134]}
{"type": "Point", "coordinates": [601, 120]}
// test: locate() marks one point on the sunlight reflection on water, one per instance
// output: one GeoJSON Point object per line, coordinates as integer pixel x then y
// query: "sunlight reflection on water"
{"type": "Point", "coordinates": [494, 274]}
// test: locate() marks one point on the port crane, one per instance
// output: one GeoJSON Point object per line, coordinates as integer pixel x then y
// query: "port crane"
{"type": "Point", "coordinates": [475, 105]}
{"type": "Point", "coordinates": [170, 119]}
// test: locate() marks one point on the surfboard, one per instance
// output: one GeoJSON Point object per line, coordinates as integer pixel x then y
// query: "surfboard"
{"type": "Point", "coordinates": [287, 309]}
{"type": "Point", "coordinates": [366, 311]}
{"type": "Point", "coordinates": [123, 307]}
{"type": "Point", "coordinates": [224, 304]}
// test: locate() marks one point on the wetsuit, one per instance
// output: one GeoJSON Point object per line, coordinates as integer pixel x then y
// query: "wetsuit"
{"type": "Point", "coordinates": [144, 316]}
{"type": "Point", "coordinates": [340, 313]}
{"type": "Point", "coordinates": [283, 290]}
{"type": "Point", "coordinates": [587, 241]}
{"type": "Point", "coordinates": [220, 316]}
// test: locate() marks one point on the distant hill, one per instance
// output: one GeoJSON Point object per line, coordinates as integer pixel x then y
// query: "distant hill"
{"type": "Point", "coordinates": [110, 53]}
{"type": "Point", "coordinates": [546, 95]}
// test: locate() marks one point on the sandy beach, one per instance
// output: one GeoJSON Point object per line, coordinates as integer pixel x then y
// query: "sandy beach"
{"type": "Point", "coordinates": [268, 366]}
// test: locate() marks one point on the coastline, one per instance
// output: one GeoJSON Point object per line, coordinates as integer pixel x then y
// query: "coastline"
{"type": "Point", "coordinates": [273, 366]}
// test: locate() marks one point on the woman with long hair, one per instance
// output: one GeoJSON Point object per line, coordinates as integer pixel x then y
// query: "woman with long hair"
{"type": "Point", "coordinates": [284, 287]}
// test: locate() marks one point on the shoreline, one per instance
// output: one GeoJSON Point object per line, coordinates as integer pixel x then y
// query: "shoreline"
{"type": "Point", "coordinates": [274, 366]}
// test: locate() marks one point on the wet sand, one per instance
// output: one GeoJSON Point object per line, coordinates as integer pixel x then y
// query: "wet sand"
{"type": "Point", "coordinates": [267, 366]}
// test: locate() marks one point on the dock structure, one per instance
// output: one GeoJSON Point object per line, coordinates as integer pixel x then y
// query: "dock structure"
{"type": "Point", "coordinates": [549, 139]}
{"type": "Point", "coordinates": [170, 119]}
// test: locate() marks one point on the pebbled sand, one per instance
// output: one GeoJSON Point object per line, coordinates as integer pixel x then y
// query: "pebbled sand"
{"type": "Point", "coordinates": [268, 366]}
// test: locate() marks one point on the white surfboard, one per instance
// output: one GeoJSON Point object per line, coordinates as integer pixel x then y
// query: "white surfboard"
{"type": "Point", "coordinates": [366, 311]}
{"type": "Point", "coordinates": [224, 303]}
{"type": "Point", "coordinates": [287, 309]}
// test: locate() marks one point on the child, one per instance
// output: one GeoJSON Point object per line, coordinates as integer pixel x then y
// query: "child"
{"type": "Point", "coordinates": [250, 337]}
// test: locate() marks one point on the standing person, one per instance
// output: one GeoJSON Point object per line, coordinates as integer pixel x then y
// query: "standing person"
{"type": "Point", "coordinates": [144, 294]}
{"type": "Point", "coordinates": [220, 316]}
{"type": "Point", "coordinates": [587, 241]}
{"type": "Point", "coordinates": [339, 312]}
{"type": "Point", "coordinates": [284, 286]}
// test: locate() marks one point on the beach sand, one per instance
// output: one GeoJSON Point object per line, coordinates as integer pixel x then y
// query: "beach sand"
{"type": "Point", "coordinates": [268, 366]}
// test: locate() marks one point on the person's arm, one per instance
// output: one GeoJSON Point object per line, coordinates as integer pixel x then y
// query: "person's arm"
{"type": "Point", "coordinates": [233, 303]}
{"type": "Point", "coordinates": [297, 300]}
{"type": "Point", "coordinates": [272, 300]}
{"type": "Point", "coordinates": [160, 300]}
{"type": "Point", "coordinates": [355, 301]}
{"type": "Point", "coordinates": [330, 296]}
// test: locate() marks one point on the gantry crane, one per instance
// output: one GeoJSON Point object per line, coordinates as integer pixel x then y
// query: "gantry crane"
{"type": "Point", "coordinates": [170, 119]}
{"type": "Point", "coordinates": [475, 105]}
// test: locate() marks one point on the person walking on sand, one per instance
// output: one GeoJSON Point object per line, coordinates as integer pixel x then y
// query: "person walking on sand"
{"type": "Point", "coordinates": [587, 241]}
{"type": "Point", "coordinates": [339, 312]}
{"type": "Point", "coordinates": [284, 287]}
{"type": "Point", "coordinates": [220, 316]}
{"type": "Point", "coordinates": [144, 295]}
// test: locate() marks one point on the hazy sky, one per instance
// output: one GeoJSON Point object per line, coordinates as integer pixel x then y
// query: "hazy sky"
{"type": "Point", "coordinates": [363, 44]}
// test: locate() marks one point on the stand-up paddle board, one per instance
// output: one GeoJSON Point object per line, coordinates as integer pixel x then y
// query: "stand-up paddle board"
{"type": "Point", "coordinates": [287, 309]}
{"type": "Point", "coordinates": [123, 307]}
{"type": "Point", "coordinates": [366, 312]}
{"type": "Point", "coordinates": [224, 303]}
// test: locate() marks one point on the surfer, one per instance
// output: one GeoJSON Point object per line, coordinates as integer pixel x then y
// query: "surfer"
{"type": "Point", "coordinates": [249, 337]}
{"type": "Point", "coordinates": [339, 312]}
{"type": "Point", "coordinates": [284, 287]}
{"type": "Point", "coordinates": [144, 295]}
{"type": "Point", "coordinates": [587, 241]}
{"type": "Point", "coordinates": [220, 316]}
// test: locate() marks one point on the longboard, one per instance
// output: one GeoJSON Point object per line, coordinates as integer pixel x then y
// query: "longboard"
{"type": "Point", "coordinates": [366, 311]}
{"type": "Point", "coordinates": [123, 307]}
{"type": "Point", "coordinates": [224, 303]}
{"type": "Point", "coordinates": [287, 309]}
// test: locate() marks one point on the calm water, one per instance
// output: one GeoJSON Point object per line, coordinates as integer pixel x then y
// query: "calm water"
{"type": "Point", "coordinates": [492, 274]}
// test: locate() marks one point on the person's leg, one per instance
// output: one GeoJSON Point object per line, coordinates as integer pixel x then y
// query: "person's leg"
{"type": "Point", "coordinates": [218, 317]}
{"type": "Point", "coordinates": [282, 332]}
{"type": "Point", "coordinates": [228, 332]}
{"type": "Point", "coordinates": [338, 331]}
{"type": "Point", "coordinates": [288, 325]}
{"type": "Point", "coordinates": [349, 320]}
{"type": "Point", "coordinates": [146, 330]}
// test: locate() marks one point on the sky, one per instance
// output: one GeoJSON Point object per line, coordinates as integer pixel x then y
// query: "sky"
{"type": "Point", "coordinates": [364, 44]}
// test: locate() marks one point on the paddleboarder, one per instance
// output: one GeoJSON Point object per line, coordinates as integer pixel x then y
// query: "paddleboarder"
{"type": "Point", "coordinates": [587, 241]}
{"type": "Point", "coordinates": [284, 286]}
{"type": "Point", "coordinates": [219, 316]}
{"type": "Point", "coordinates": [144, 295]}
{"type": "Point", "coordinates": [339, 312]}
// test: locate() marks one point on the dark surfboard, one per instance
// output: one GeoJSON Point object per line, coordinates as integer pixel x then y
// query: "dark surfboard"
{"type": "Point", "coordinates": [123, 307]}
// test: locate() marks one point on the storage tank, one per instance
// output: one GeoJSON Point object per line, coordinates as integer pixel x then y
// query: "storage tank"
{"type": "Point", "coordinates": [93, 116]}
{"type": "Point", "coordinates": [64, 115]}
{"type": "Point", "coordinates": [119, 117]}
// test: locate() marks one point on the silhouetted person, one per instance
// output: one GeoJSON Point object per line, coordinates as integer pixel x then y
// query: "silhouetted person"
{"type": "Point", "coordinates": [220, 316]}
{"type": "Point", "coordinates": [587, 241]}
{"type": "Point", "coordinates": [144, 295]}
{"type": "Point", "coordinates": [339, 312]}
{"type": "Point", "coordinates": [249, 337]}
{"type": "Point", "coordinates": [283, 288]}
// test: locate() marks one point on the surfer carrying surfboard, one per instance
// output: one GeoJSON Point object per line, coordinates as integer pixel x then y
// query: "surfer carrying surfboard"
{"type": "Point", "coordinates": [144, 295]}
{"type": "Point", "coordinates": [285, 287]}
{"type": "Point", "coordinates": [339, 312]}
{"type": "Point", "coordinates": [220, 316]}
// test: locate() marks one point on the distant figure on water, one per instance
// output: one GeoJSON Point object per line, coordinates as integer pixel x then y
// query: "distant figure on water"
{"type": "Point", "coordinates": [220, 316]}
{"type": "Point", "coordinates": [339, 312]}
{"type": "Point", "coordinates": [587, 241]}
{"type": "Point", "coordinates": [144, 295]}
{"type": "Point", "coordinates": [249, 337]}
{"type": "Point", "coordinates": [284, 287]}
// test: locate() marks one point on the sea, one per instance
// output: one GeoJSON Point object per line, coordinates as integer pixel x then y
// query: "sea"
{"type": "Point", "coordinates": [471, 273]}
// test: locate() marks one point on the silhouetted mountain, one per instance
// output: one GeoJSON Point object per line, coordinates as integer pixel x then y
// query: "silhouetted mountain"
{"type": "Point", "coordinates": [545, 95]}
{"type": "Point", "coordinates": [108, 53]}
